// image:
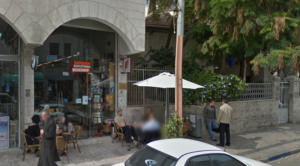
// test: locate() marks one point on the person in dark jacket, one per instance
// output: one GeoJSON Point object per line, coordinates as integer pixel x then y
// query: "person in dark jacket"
{"type": "Point", "coordinates": [48, 151]}
{"type": "Point", "coordinates": [209, 113]}
{"type": "Point", "coordinates": [33, 131]}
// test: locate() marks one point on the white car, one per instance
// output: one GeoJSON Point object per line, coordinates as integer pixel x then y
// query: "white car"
{"type": "Point", "coordinates": [185, 152]}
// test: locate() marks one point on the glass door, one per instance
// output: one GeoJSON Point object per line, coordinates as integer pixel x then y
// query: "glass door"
{"type": "Point", "coordinates": [9, 104]}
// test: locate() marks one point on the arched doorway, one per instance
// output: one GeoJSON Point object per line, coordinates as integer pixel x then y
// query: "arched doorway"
{"type": "Point", "coordinates": [76, 76]}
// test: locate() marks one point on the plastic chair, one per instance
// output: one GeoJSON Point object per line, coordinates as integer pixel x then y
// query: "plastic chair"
{"type": "Point", "coordinates": [75, 141]}
{"type": "Point", "coordinates": [62, 145]}
{"type": "Point", "coordinates": [26, 147]}
{"type": "Point", "coordinates": [119, 132]}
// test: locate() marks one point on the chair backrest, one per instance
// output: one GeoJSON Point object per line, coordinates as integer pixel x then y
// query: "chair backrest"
{"type": "Point", "coordinates": [61, 143]}
{"type": "Point", "coordinates": [24, 134]}
{"type": "Point", "coordinates": [77, 129]}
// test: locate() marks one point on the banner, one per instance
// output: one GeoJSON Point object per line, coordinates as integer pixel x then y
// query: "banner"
{"type": "Point", "coordinates": [81, 67]}
{"type": "Point", "coordinates": [4, 132]}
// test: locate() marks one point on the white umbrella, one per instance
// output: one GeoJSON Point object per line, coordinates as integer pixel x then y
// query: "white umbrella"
{"type": "Point", "coordinates": [166, 80]}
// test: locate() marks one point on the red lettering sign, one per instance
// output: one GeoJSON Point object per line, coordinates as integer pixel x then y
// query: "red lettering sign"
{"type": "Point", "coordinates": [81, 67]}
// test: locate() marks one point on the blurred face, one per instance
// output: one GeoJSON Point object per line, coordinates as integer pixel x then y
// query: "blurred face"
{"type": "Point", "coordinates": [149, 110]}
{"type": "Point", "coordinates": [223, 102]}
{"type": "Point", "coordinates": [63, 119]}
{"type": "Point", "coordinates": [120, 113]}
{"type": "Point", "coordinates": [212, 104]}
{"type": "Point", "coordinates": [45, 116]}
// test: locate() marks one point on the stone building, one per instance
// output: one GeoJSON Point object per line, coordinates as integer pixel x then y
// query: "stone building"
{"type": "Point", "coordinates": [80, 47]}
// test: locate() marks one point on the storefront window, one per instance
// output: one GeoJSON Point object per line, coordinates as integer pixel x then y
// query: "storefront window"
{"type": "Point", "coordinates": [75, 76]}
{"type": "Point", "coordinates": [9, 39]}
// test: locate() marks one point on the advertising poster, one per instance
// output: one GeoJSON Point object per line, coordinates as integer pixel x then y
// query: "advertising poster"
{"type": "Point", "coordinates": [96, 98]}
{"type": "Point", "coordinates": [127, 65]}
{"type": "Point", "coordinates": [4, 132]}
{"type": "Point", "coordinates": [109, 98]}
{"type": "Point", "coordinates": [85, 100]}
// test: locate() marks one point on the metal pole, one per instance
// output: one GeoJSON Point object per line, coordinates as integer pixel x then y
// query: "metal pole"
{"type": "Point", "coordinates": [167, 106]}
{"type": "Point", "coordinates": [178, 59]}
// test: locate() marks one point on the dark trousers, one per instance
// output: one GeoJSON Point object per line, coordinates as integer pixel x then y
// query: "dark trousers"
{"type": "Point", "coordinates": [224, 128]}
{"type": "Point", "coordinates": [129, 132]}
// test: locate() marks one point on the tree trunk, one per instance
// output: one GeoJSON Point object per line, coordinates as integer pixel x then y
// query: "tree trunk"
{"type": "Point", "coordinates": [242, 73]}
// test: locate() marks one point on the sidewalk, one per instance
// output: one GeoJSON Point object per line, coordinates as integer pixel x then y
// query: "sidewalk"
{"type": "Point", "coordinates": [265, 144]}
{"type": "Point", "coordinates": [261, 144]}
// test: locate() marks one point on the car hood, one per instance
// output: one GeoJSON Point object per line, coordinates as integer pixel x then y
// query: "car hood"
{"type": "Point", "coordinates": [121, 164]}
{"type": "Point", "coordinates": [251, 162]}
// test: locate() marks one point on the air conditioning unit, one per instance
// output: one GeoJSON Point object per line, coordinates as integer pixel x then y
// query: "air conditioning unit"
{"type": "Point", "coordinates": [195, 123]}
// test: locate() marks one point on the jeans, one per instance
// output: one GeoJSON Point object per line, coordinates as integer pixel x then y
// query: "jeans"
{"type": "Point", "coordinates": [224, 128]}
{"type": "Point", "coordinates": [210, 125]}
{"type": "Point", "coordinates": [129, 132]}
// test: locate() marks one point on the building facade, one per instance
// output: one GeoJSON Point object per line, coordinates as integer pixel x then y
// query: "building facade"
{"type": "Point", "coordinates": [80, 48]}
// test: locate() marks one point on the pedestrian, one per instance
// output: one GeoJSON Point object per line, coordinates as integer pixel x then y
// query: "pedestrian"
{"type": "Point", "coordinates": [224, 118]}
{"type": "Point", "coordinates": [48, 151]}
{"type": "Point", "coordinates": [209, 113]}
{"type": "Point", "coordinates": [128, 130]}
{"type": "Point", "coordinates": [150, 130]}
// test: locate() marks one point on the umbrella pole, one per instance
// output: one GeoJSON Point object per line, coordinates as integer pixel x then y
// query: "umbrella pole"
{"type": "Point", "coordinates": [167, 106]}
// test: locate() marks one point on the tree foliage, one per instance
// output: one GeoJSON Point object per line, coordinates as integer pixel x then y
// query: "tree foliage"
{"type": "Point", "coordinates": [265, 30]}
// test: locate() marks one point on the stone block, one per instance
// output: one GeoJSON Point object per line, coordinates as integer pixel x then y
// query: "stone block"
{"type": "Point", "coordinates": [93, 9]}
{"type": "Point", "coordinates": [102, 11]}
{"type": "Point", "coordinates": [64, 13]}
{"type": "Point", "coordinates": [47, 25]}
{"type": "Point", "coordinates": [23, 22]}
{"type": "Point", "coordinates": [121, 4]}
{"type": "Point", "coordinates": [55, 18]}
{"type": "Point", "coordinates": [134, 33]}
{"type": "Point", "coordinates": [137, 22]}
{"type": "Point", "coordinates": [13, 12]}
{"type": "Point", "coordinates": [27, 7]}
{"type": "Point", "coordinates": [111, 15]}
{"type": "Point", "coordinates": [136, 1]}
{"type": "Point", "coordinates": [39, 9]}
{"type": "Point", "coordinates": [29, 78]}
{"type": "Point", "coordinates": [136, 15]}
{"type": "Point", "coordinates": [84, 8]}
{"type": "Point", "coordinates": [114, 3]}
{"type": "Point", "coordinates": [122, 11]}
{"type": "Point", "coordinates": [35, 34]}
{"type": "Point", "coordinates": [132, 6]}
{"type": "Point", "coordinates": [35, 17]}
{"type": "Point", "coordinates": [141, 31]}
{"type": "Point", "coordinates": [29, 101]}
{"type": "Point", "coordinates": [74, 10]}
{"type": "Point", "coordinates": [119, 20]}
{"type": "Point", "coordinates": [126, 27]}
{"type": "Point", "coordinates": [139, 42]}
{"type": "Point", "coordinates": [105, 2]}
{"type": "Point", "coordinates": [4, 5]}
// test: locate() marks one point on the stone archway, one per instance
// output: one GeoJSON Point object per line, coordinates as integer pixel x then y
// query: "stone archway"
{"type": "Point", "coordinates": [35, 29]}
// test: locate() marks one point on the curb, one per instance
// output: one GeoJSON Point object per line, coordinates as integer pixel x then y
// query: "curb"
{"type": "Point", "coordinates": [276, 157]}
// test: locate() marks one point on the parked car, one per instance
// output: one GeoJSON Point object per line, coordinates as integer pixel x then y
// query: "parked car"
{"type": "Point", "coordinates": [185, 152]}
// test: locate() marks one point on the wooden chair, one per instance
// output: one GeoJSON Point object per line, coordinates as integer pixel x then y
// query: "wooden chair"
{"type": "Point", "coordinates": [119, 132]}
{"type": "Point", "coordinates": [75, 141]}
{"type": "Point", "coordinates": [26, 147]}
{"type": "Point", "coordinates": [186, 128]}
{"type": "Point", "coordinates": [62, 145]}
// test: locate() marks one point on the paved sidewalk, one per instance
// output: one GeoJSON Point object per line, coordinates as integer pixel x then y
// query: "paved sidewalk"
{"type": "Point", "coordinates": [261, 144]}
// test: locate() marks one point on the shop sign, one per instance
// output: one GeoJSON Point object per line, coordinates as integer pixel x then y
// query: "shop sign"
{"type": "Point", "coordinates": [127, 65]}
{"type": "Point", "coordinates": [81, 67]}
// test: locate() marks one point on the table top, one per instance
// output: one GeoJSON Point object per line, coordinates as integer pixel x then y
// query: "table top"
{"type": "Point", "coordinates": [59, 131]}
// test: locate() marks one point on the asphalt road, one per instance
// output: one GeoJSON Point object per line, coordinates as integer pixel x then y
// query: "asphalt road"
{"type": "Point", "coordinates": [292, 160]}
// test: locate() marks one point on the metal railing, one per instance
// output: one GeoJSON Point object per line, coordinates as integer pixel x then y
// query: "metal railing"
{"type": "Point", "coordinates": [257, 91]}
{"type": "Point", "coordinates": [136, 95]}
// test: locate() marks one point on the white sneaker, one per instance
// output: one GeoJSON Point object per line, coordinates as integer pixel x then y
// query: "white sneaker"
{"type": "Point", "coordinates": [135, 142]}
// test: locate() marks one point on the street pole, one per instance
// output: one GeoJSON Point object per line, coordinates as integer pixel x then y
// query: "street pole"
{"type": "Point", "coordinates": [178, 58]}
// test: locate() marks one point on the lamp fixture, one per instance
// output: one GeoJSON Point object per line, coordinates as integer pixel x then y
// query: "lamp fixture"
{"type": "Point", "coordinates": [174, 9]}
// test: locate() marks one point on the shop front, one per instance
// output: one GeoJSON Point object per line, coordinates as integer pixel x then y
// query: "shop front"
{"type": "Point", "coordinates": [80, 47]}
{"type": "Point", "coordinates": [76, 76]}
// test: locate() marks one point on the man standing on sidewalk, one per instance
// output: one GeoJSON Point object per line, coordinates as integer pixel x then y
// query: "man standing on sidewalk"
{"type": "Point", "coordinates": [224, 118]}
{"type": "Point", "coordinates": [209, 113]}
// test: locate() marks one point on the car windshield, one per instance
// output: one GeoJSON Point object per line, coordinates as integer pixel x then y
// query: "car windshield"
{"type": "Point", "coordinates": [148, 156]}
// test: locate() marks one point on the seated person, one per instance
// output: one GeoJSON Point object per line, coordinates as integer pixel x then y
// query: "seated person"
{"type": "Point", "coordinates": [150, 130]}
{"type": "Point", "coordinates": [33, 131]}
{"type": "Point", "coordinates": [68, 129]}
{"type": "Point", "coordinates": [128, 130]}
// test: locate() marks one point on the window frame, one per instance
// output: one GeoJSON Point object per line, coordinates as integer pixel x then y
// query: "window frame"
{"type": "Point", "coordinates": [211, 163]}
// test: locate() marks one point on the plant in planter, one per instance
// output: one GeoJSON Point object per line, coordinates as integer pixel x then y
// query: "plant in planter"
{"type": "Point", "coordinates": [172, 128]}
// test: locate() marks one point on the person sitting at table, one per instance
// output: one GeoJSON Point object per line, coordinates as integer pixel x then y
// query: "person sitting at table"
{"type": "Point", "coordinates": [150, 130]}
{"type": "Point", "coordinates": [129, 130]}
{"type": "Point", "coordinates": [68, 129]}
{"type": "Point", "coordinates": [33, 131]}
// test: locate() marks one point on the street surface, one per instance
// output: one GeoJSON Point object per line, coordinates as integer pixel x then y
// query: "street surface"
{"type": "Point", "coordinates": [292, 160]}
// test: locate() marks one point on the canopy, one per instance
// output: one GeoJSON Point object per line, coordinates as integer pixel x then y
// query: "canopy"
{"type": "Point", "coordinates": [166, 80]}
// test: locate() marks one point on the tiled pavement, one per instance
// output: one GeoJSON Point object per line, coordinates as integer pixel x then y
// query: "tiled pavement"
{"type": "Point", "coordinates": [259, 144]}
